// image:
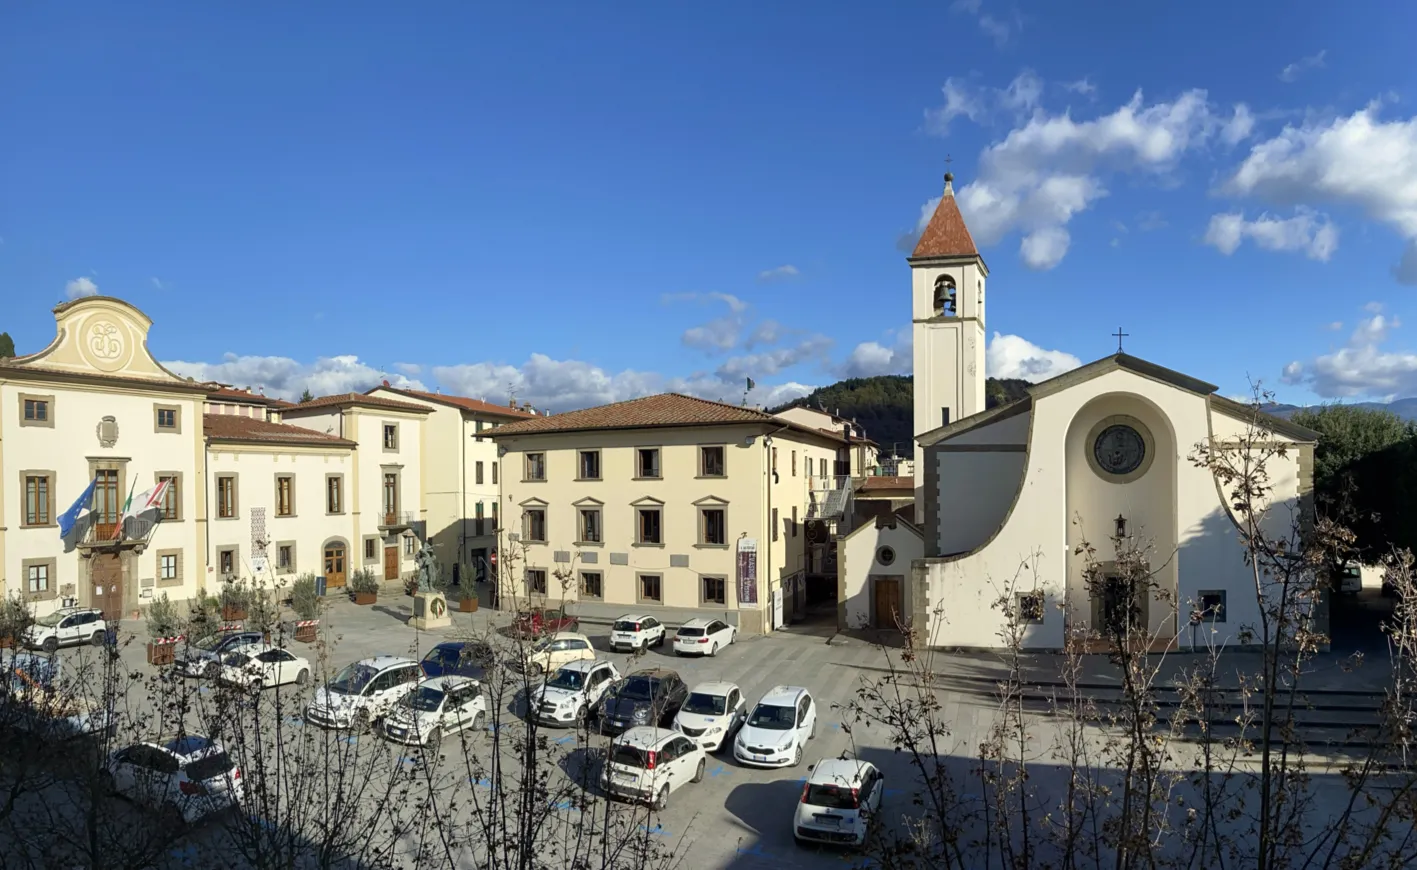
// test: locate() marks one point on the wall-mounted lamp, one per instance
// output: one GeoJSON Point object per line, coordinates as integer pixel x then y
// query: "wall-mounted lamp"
{"type": "Point", "coordinates": [1121, 526]}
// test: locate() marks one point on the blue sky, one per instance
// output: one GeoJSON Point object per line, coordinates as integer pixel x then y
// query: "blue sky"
{"type": "Point", "coordinates": [594, 201]}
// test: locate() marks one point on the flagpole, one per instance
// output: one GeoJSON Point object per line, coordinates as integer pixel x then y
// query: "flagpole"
{"type": "Point", "coordinates": [123, 512]}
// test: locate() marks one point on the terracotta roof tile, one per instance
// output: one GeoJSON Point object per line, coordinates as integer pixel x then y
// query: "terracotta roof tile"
{"type": "Point", "coordinates": [662, 410]}
{"type": "Point", "coordinates": [883, 482]}
{"type": "Point", "coordinates": [946, 235]}
{"type": "Point", "coordinates": [359, 399]}
{"type": "Point", "coordinates": [234, 427]}
{"type": "Point", "coordinates": [474, 405]}
{"type": "Point", "coordinates": [240, 396]}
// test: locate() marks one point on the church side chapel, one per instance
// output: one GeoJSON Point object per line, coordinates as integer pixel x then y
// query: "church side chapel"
{"type": "Point", "coordinates": [1006, 496]}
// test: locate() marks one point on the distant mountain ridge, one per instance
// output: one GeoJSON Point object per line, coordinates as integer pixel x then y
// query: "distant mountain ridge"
{"type": "Point", "coordinates": [1403, 408]}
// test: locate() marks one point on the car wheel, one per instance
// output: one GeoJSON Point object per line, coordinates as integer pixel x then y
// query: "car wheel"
{"type": "Point", "coordinates": [433, 740]}
{"type": "Point", "coordinates": [583, 713]}
{"type": "Point", "coordinates": [660, 641]}
{"type": "Point", "coordinates": [713, 651]}
{"type": "Point", "coordinates": [212, 670]}
{"type": "Point", "coordinates": [362, 722]}
{"type": "Point", "coordinates": [699, 771]}
{"type": "Point", "coordinates": [257, 686]}
{"type": "Point", "coordinates": [661, 800]}
{"type": "Point", "coordinates": [50, 645]}
{"type": "Point", "coordinates": [797, 756]}
{"type": "Point", "coordinates": [96, 638]}
{"type": "Point", "coordinates": [302, 679]}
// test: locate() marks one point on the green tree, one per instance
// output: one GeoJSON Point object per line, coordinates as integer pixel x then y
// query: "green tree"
{"type": "Point", "coordinates": [7, 346]}
{"type": "Point", "coordinates": [1346, 435]}
{"type": "Point", "coordinates": [306, 396]}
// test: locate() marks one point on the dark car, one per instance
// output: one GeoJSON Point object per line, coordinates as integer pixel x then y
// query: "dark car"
{"type": "Point", "coordinates": [649, 697]}
{"type": "Point", "coordinates": [545, 620]}
{"type": "Point", "coordinates": [458, 658]}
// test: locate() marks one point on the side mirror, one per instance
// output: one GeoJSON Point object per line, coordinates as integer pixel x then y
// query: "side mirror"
{"type": "Point", "coordinates": [810, 766]}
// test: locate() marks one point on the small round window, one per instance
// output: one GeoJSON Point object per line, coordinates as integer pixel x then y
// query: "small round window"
{"type": "Point", "coordinates": [885, 555]}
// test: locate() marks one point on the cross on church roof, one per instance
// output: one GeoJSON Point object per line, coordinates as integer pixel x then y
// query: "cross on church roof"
{"type": "Point", "coordinates": [1119, 334]}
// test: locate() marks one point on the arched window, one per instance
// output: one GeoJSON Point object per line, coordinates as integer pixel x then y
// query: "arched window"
{"type": "Point", "coordinates": [945, 296]}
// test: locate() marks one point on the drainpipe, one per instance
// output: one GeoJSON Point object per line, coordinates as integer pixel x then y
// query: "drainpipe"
{"type": "Point", "coordinates": [772, 527]}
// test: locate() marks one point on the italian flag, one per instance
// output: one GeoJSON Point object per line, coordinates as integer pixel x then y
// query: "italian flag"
{"type": "Point", "coordinates": [145, 502]}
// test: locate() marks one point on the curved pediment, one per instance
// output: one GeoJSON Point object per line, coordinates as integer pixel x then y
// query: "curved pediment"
{"type": "Point", "coordinates": [103, 336]}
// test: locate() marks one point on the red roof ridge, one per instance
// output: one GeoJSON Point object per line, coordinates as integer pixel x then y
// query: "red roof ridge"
{"type": "Point", "coordinates": [465, 402]}
{"type": "Point", "coordinates": [237, 427]}
{"type": "Point", "coordinates": [358, 399]}
{"type": "Point", "coordinates": [946, 235]}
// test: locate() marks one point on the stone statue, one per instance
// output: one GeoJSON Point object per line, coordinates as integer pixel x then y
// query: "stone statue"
{"type": "Point", "coordinates": [428, 572]}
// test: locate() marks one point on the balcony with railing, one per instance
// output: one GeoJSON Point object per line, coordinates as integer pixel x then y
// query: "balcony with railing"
{"type": "Point", "coordinates": [395, 520]}
{"type": "Point", "coordinates": [829, 497]}
{"type": "Point", "coordinates": [135, 534]}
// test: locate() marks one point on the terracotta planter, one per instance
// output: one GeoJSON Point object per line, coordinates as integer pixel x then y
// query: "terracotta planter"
{"type": "Point", "coordinates": [8, 642]}
{"type": "Point", "coordinates": [467, 605]}
{"type": "Point", "coordinates": [162, 653]}
{"type": "Point", "coordinates": [232, 612]}
{"type": "Point", "coordinates": [365, 597]}
{"type": "Point", "coordinates": [306, 633]}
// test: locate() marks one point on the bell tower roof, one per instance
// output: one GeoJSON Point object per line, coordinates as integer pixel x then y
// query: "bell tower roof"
{"type": "Point", "coordinates": [946, 235]}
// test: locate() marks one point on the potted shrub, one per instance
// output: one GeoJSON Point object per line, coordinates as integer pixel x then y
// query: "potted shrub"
{"type": "Point", "coordinates": [364, 586]}
{"type": "Point", "coordinates": [163, 623]}
{"type": "Point", "coordinates": [467, 598]}
{"type": "Point", "coordinates": [235, 598]}
{"type": "Point", "coordinates": [15, 617]}
{"type": "Point", "coordinates": [305, 601]}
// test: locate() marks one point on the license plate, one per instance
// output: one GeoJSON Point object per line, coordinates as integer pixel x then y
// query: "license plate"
{"type": "Point", "coordinates": [758, 757]}
{"type": "Point", "coordinates": [624, 777]}
{"type": "Point", "coordinates": [828, 821]}
{"type": "Point", "coordinates": [398, 732]}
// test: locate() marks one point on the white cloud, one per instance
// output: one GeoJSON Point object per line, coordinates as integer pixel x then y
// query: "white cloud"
{"type": "Point", "coordinates": [1336, 325]}
{"type": "Point", "coordinates": [413, 370]}
{"type": "Point", "coordinates": [1362, 368]}
{"type": "Point", "coordinates": [1150, 220]}
{"type": "Point", "coordinates": [779, 273]}
{"type": "Point", "coordinates": [964, 99]}
{"type": "Point", "coordinates": [1307, 232]}
{"type": "Point", "coordinates": [719, 334]}
{"type": "Point", "coordinates": [1359, 161]}
{"type": "Point", "coordinates": [765, 332]}
{"type": "Point", "coordinates": [960, 101]}
{"type": "Point", "coordinates": [1000, 29]}
{"type": "Point", "coordinates": [1012, 356]}
{"type": "Point", "coordinates": [813, 348]}
{"type": "Point", "coordinates": [158, 285]}
{"type": "Point", "coordinates": [1291, 72]}
{"type": "Point", "coordinates": [286, 378]}
{"type": "Point", "coordinates": [1082, 86]}
{"type": "Point", "coordinates": [82, 286]}
{"type": "Point", "coordinates": [1051, 167]}
{"type": "Point", "coordinates": [1239, 127]}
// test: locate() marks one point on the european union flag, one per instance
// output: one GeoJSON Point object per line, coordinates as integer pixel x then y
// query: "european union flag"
{"type": "Point", "coordinates": [79, 510]}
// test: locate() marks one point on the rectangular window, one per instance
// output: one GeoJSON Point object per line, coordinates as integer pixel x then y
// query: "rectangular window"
{"type": "Point", "coordinates": [477, 473]}
{"type": "Point", "coordinates": [391, 498]}
{"type": "Point", "coordinates": [774, 460]}
{"type": "Point", "coordinates": [371, 549]}
{"type": "Point", "coordinates": [285, 496]}
{"type": "Point", "coordinates": [714, 526]}
{"type": "Point", "coordinates": [495, 515]}
{"type": "Point", "coordinates": [408, 542]}
{"type": "Point", "coordinates": [38, 579]}
{"type": "Point", "coordinates": [494, 473]}
{"type": "Point", "coordinates": [590, 465]}
{"type": "Point", "coordinates": [711, 461]}
{"type": "Point", "coordinates": [591, 585]}
{"type": "Point", "coordinates": [944, 416]}
{"type": "Point", "coordinates": [647, 459]}
{"type": "Point", "coordinates": [536, 581]}
{"type": "Point", "coordinates": [590, 526]}
{"type": "Point", "coordinates": [794, 463]}
{"type": "Point", "coordinates": [391, 436]}
{"type": "Point", "coordinates": [535, 525]}
{"type": "Point", "coordinates": [794, 521]}
{"type": "Point", "coordinates": [285, 557]}
{"type": "Point", "coordinates": [334, 495]}
{"type": "Point", "coordinates": [226, 496]}
{"type": "Point", "coordinates": [1030, 607]}
{"type": "Point", "coordinates": [171, 497]}
{"type": "Point", "coordinates": [650, 589]}
{"type": "Point", "coordinates": [822, 472]}
{"type": "Point", "coordinates": [1212, 605]}
{"type": "Point", "coordinates": [38, 488]}
{"type": "Point", "coordinates": [649, 532]}
{"type": "Point", "coordinates": [167, 419]}
{"type": "Point", "coordinates": [536, 466]}
{"type": "Point", "coordinates": [715, 590]}
{"type": "Point", "coordinates": [167, 566]}
{"type": "Point", "coordinates": [774, 524]}
{"type": "Point", "coordinates": [226, 562]}
{"type": "Point", "coordinates": [36, 411]}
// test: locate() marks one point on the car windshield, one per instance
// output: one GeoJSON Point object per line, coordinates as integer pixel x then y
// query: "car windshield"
{"type": "Point", "coordinates": [352, 680]}
{"type": "Point", "coordinates": [237, 659]}
{"type": "Point", "coordinates": [51, 620]}
{"type": "Point", "coordinates": [691, 632]}
{"type": "Point", "coordinates": [831, 796]}
{"type": "Point", "coordinates": [638, 689]}
{"type": "Point", "coordinates": [623, 625]}
{"type": "Point", "coordinates": [542, 644]}
{"type": "Point", "coordinates": [773, 717]}
{"type": "Point", "coordinates": [426, 699]}
{"type": "Point", "coordinates": [567, 679]}
{"type": "Point", "coordinates": [628, 756]}
{"type": "Point", "coordinates": [209, 767]}
{"type": "Point", "coordinates": [706, 704]}
{"type": "Point", "coordinates": [210, 642]}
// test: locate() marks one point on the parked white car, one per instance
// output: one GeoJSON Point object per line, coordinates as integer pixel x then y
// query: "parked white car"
{"type": "Point", "coordinates": [436, 708]}
{"type": "Point", "coordinates": [258, 665]}
{"type": "Point", "coordinates": [778, 729]}
{"type": "Point", "coordinates": [202, 657]}
{"type": "Point", "coordinates": [703, 637]}
{"type": "Point", "coordinates": [712, 714]}
{"type": "Point", "coordinates": [839, 802]}
{"type": "Point", "coordinates": [569, 696]}
{"type": "Point", "coordinates": [192, 776]}
{"type": "Point", "coordinates": [363, 692]}
{"type": "Point", "coordinates": [550, 653]}
{"type": "Point", "coordinates": [648, 764]}
{"type": "Point", "coordinates": [66, 627]}
{"type": "Point", "coordinates": [632, 632]}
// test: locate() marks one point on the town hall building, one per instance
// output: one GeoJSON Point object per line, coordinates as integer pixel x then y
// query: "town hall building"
{"type": "Point", "coordinates": [1005, 496]}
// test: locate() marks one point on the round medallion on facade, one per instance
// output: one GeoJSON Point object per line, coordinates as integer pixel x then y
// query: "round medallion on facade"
{"type": "Point", "coordinates": [104, 345]}
{"type": "Point", "coordinates": [1120, 449]}
{"type": "Point", "coordinates": [885, 556]}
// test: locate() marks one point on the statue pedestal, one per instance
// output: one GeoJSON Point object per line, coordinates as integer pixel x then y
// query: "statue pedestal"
{"type": "Point", "coordinates": [430, 610]}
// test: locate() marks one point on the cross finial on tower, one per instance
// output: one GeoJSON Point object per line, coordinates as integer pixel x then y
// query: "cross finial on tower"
{"type": "Point", "coordinates": [1119, 335]}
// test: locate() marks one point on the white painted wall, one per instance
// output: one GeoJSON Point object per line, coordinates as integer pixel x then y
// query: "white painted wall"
{"type": "Point", "coordinates": [857, 561]}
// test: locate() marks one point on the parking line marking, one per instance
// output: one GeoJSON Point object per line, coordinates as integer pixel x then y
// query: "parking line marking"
{"type": "Point", "coordinates": [295, 720]}
{"type": "Point", "coordinates": [657, 830]}
{"type": "Point", "coordinates": [404, 759]}
{"type": "Point", "coordinates": [566, 739]}
{"type": "Point", "coordinates": [719, 771]}
{"type": "Point", "coordinates": [351, 739]}
{"type": "Point", "coordinates": [756, 850]}
{"type": "Point", "coordinates": [480, 782]}
{"type": "Point", "coordinates": [203, 690]}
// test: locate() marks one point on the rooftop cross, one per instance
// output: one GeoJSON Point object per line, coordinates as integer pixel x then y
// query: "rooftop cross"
{"type": "Point", "coordinates": [1119, 334]}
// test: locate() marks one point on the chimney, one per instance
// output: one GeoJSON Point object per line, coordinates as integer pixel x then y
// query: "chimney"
{"type": "Point", "coordinates": [386, 382]}
{"type": "Point", "coordinates": [512, 404]}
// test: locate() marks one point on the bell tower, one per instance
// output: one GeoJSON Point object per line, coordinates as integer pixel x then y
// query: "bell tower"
{"type": "Point", "coordinates": [947, 323]}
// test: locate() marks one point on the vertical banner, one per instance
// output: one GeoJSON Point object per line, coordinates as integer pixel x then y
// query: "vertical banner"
{"type": "Point", "coordinates": [747, 572]}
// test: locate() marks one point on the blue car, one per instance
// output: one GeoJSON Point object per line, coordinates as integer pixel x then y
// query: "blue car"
{"type": "Point", "coordinates": [458, 658]}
